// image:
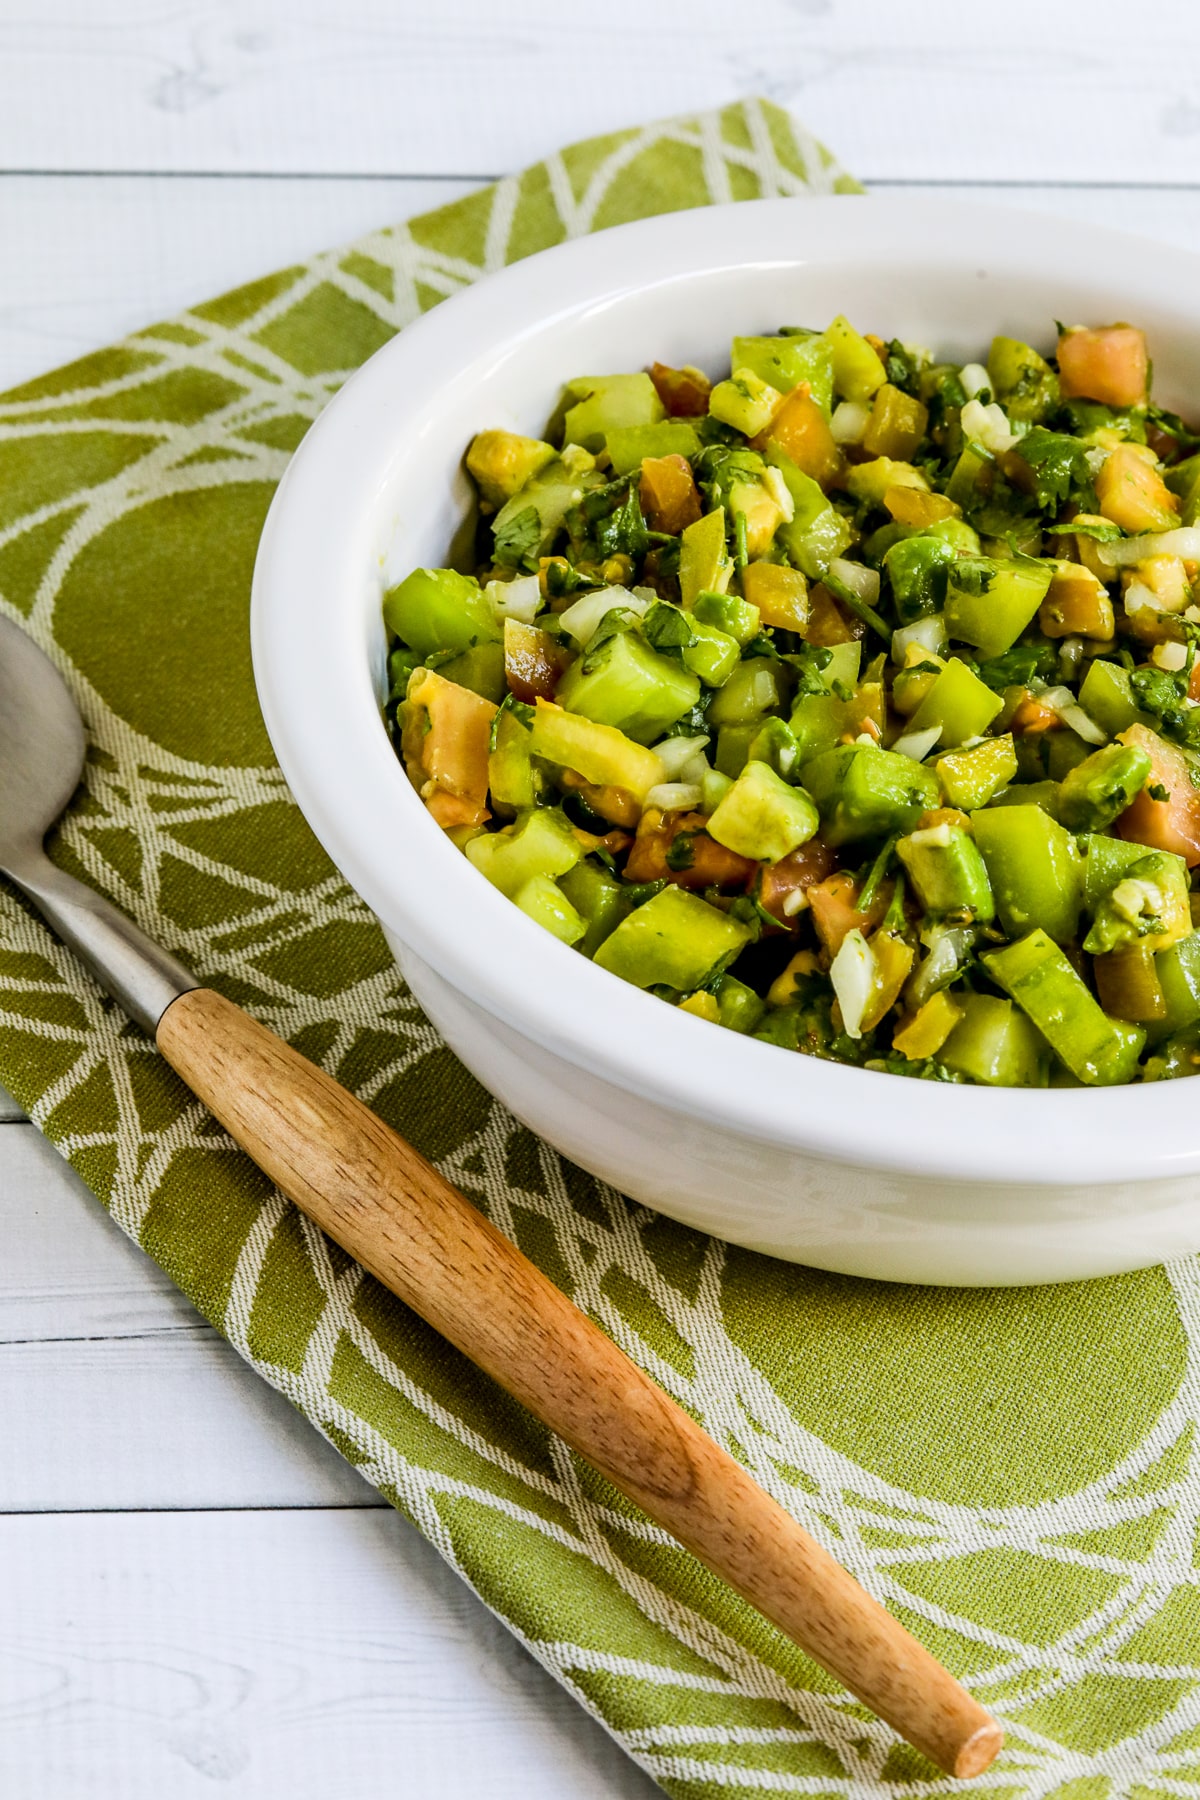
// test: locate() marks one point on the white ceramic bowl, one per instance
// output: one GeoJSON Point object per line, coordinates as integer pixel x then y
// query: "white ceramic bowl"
{"type": "Point", "coordinates": [838, 1167]}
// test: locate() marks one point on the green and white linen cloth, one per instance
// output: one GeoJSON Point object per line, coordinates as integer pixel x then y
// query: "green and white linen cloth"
{"type": "Point", "coordinates": [1013, 1473]}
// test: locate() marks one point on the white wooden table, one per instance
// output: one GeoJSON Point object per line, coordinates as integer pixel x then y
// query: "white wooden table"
{"type": "Point", "coordinates": [194, 1589]}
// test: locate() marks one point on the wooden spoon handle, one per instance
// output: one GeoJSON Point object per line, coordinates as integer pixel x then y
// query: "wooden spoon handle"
{"type": "Point", "coordinates": [391, 1210]}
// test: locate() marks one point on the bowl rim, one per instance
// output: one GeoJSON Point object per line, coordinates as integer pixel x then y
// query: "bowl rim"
{"type": "Point", "coordinates": [323, 718]}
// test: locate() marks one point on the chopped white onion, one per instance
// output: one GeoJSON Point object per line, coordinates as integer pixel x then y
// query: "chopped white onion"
{"type": "Point", "coordinates": [695, 768]}
{"type": "Point", "coordinates": [795, 903]}
{"type": "Point", "coordinates": [1123, 553]}
{"type": "Point", "coordinates": [857, 577]}
{"type": "Point", "coordinates": [675, 753]}
{"type": "Point", "coordinates": [520, 599]}
{"type": "Point", "coordinates": [918, 744]}
{"type": "Point", "coordinates": [989, 426]}
{"type": "Point", "coordinates": [781, 494]}
{"type": "Point", "coordinates": [1062, 701]}
{"type": "Point", "coordinates": [583, 616]}
{"type": "Point", "coordinates": [673, 796]}
{"type": "Point", "coordinates": [974, 378]}
{"type": "Point", "coordinates": [1171, 657]}
{"type": "Point", "coordinates": [930, 633]}
{"type": "Point", "coordinates": [849, 422]}
{"type": "Point", "coordinates": [852, 973]}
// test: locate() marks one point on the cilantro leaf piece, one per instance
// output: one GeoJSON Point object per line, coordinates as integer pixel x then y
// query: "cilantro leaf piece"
{"type": "Point", "coordinates": [518, 540]}
{"type": "Point", "coordinates": [1060, 466]}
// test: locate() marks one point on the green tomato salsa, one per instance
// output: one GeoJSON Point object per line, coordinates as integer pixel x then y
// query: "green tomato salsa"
{"type": "Point", "coordinates": [849, 703]}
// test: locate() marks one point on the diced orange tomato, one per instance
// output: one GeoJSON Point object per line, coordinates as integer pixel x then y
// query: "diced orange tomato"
{"type": "Point", "coordinates": [615, 804]}
{"type": "Point", "coordinates": [1108, 363]}
{"type": "Point", "coordinates": [533, 661]}
{"type": "Point", "coordinates": [781, 595]}
{"type": "Point", "coordinates": [1031, 718]}
{"type": "Point", "coordinates": [1133, 494]}
{"type": "Point", "coordinates": [449, 759]}
{"type": "Point", "coordinates": [912, 506]}
{"type": "Point", "coordinates": [1171, 824]}
{"type": "Point", "coordinates": [834, 907]}
{"type": "Point", "coordinates": [827, 622]}
{"type": "Point", "coordinates": [668, 493]}
{"type": "Point", "coordinates": [802, 431]}
{"type": "Point", "coordinates": [893, 961]}
{"type": "Point", "coordinates": [1193, 692]}
{"type": "Point", "coordinates": [711, 864]}
{"type": "Point", "coordinates": [684, 392]}
{"type": "Point", "coordinates": [811, 863]}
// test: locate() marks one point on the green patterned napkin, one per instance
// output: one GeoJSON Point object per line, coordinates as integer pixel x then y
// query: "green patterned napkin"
{"type": "Point", "coordinates": [1012, 1472]}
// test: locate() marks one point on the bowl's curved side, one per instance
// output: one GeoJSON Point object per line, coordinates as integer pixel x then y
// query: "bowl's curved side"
{"type": "Point", "coordinates": [373, 491]}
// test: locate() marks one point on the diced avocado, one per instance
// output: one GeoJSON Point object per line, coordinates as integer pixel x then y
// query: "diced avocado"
{"type": "Point", "coordinates": [762, 817]}
{"type": "Point", "coordinates": [600, 753]}
{"type": "Point", "coordinates": [501, 462]}
{"type": "Point", "coordinates": [704, 563]}
{"type": "Point", "coordinates": [1178, 970]}
{"type": "Point", "coordinates": [1102, 785]}
{"type": "Point", "coordinates": [675, 940]}
{"type": "Point", "coordinates": [970, 778]}
{"type": "Point", "coordinates": [626, 684]}
{"type": "Point", "coordinates": [733, 747]}
{"type": "Point", "coordinates": [439, 609]}
{"type": "Point", "coordinates": [864, 792]}
{"type": "Point", "coordinates": [738, 618]}
{"type": "Point", "coordinates": [1150, 900]}
{"type": "Point", "coordinates": [712, 655]}
{"type": "Point", "coordinates": [948, 874]}
{"type": "Point", "coordinates": [959, 702]}
{"type": "Point", "coordinates": [1034, 868]}
{"type": "Point", "coordinates": [857, 369]}
{"type": "Point", "coordinates": [1022, 381]}
{"type": "Point", "coordinates": [995, 1044]}
{"type": "Point", "coordinates": [714, 784]}
{"type": "Point", "coordinates": [990, 601]}
{"type": "Point", "coordinates": [606, 403]}
{"type": "Point", "coordinates": [787, 361]}
{"type": "Point", "coordinates": [481, 668]}
{"type": "Point", "coordinates": [541, 842]}
{"type": "Point", "coordinates": [1106, 860]}
{"type": "Point", "coordinates": [755, 687]}
{"type": "Point", "coordinates": [628, 446]}
{"type": "Point", "coordinates": [542, 900]}
{"type": "Point", "coordinates": [739, 1008]}
{"type": "Point", "coordinates": [816, 532]}
{"type": "Point", "coordinates": [745, 401]}
{"type": "Point", "coordinates": [1105, 695]}
{"type": "Point", "coordinates": [600, 900]}
{"type": "Point", "coordinates": [1098, 1051]}
{"type": "Point", "coordinates": [510, 770]}
{"type": "Point", "coordinates": [776, 744]}
{"type": "Point", "coordinates": [917, 569]}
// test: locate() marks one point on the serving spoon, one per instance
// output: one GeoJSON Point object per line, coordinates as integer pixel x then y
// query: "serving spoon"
{"type": "Point", "coordinates": [390, 1209]}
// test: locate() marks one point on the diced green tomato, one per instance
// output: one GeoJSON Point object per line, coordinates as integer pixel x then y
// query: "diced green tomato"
{"type": "Point", "coordinates": [775, 743]}
{"type": "Point", "coordinates": [995, 1044]}
{"type": "Point", "coordinates": [481, 668]}
{"type": "Point", "coordinates": [1150, 900]}
{"type": "Point", "coordinates": [1106, 696]}
{"type": "Point", "coordinates": [675, 939]}
{"type": "Point", "coordinates": [704, 562]}
{"type": "Point", "coordinates": [1101, 786]}
{"type": "Point", "coordinates": [1034, 868]}
{"type": "Point", "coordinates": [600, 900]}
{"type": "Point", "coordinates": [762, 817]}
{"type": "Point", "coordinates": [970, 778]}
{"type": "Point", "coordinates": [714, 655]}
{"type": "Point", "coordinates": [599, 753]}
{"type": "Point", "coordinates": [1183, 479]}
{"type": "Point", "coordinates": [787, 361]}
{"type": "Point", "coordinates": [629, 445]}
{"type": "Point", "coordinates": [540, 843]}
{"type": "Point", "coordinates": [754, 688]}
{"type": "Point", "coordinates": [962, 538]}
{"type": "Point", "coordinates": [963, 485]}
{"type": "Point", "coordinates": [960, 703]}
{"type": "Point", "coordinates": [439, 609]}
{"type": "Point", "coordinates": [733, 747]}
{"type": "Point", "coordinates": [917, 568]}
{"type": "Point", "coordinates": [549, 496]}
{"type": "Point", "coordinates": [626, 684]}
{"type": "Point", "coordinates": [816, 532]}
{"type": "Point", "coordinates": [1177, 1055]}
{"type": "Point", "coordinates": [606, 403]}
{"type": "Point", "coordinates": [739, 1007]}
{"type": "Point", "coordinates": [745, 401]}
{"type": "Point", "coordinates": [865, 792]}
{"type": "Point", "coordinates": [1107, 861]}
{"type": "Point", "coordinates": [819, 721]}
{"type": "Point", "coordinates": [510, 771]}
{"type": "Point", "coordinates": [990, 601]}
{"type": "Point", "coordinates": [546, 904]}
{"type": "Point", "coordinates": [1178, 970]}
{"type": "Point", "coordinates": [857, 369]}
{"type": "Point", "coordinates": [1022, 381]}
{"type": "Point", "coordinates": [715, 784]}
{"type": "Point", "coordinates": [948, 874]}
{"type": "Point", "coordinates": [1043, 794]}
{"type": "Point", "coordinates": [738, 618]}
{"type": "Point", "coordinates": [1099, 1051]}
{"type": "Point", "coordinates": [1065, 752]}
